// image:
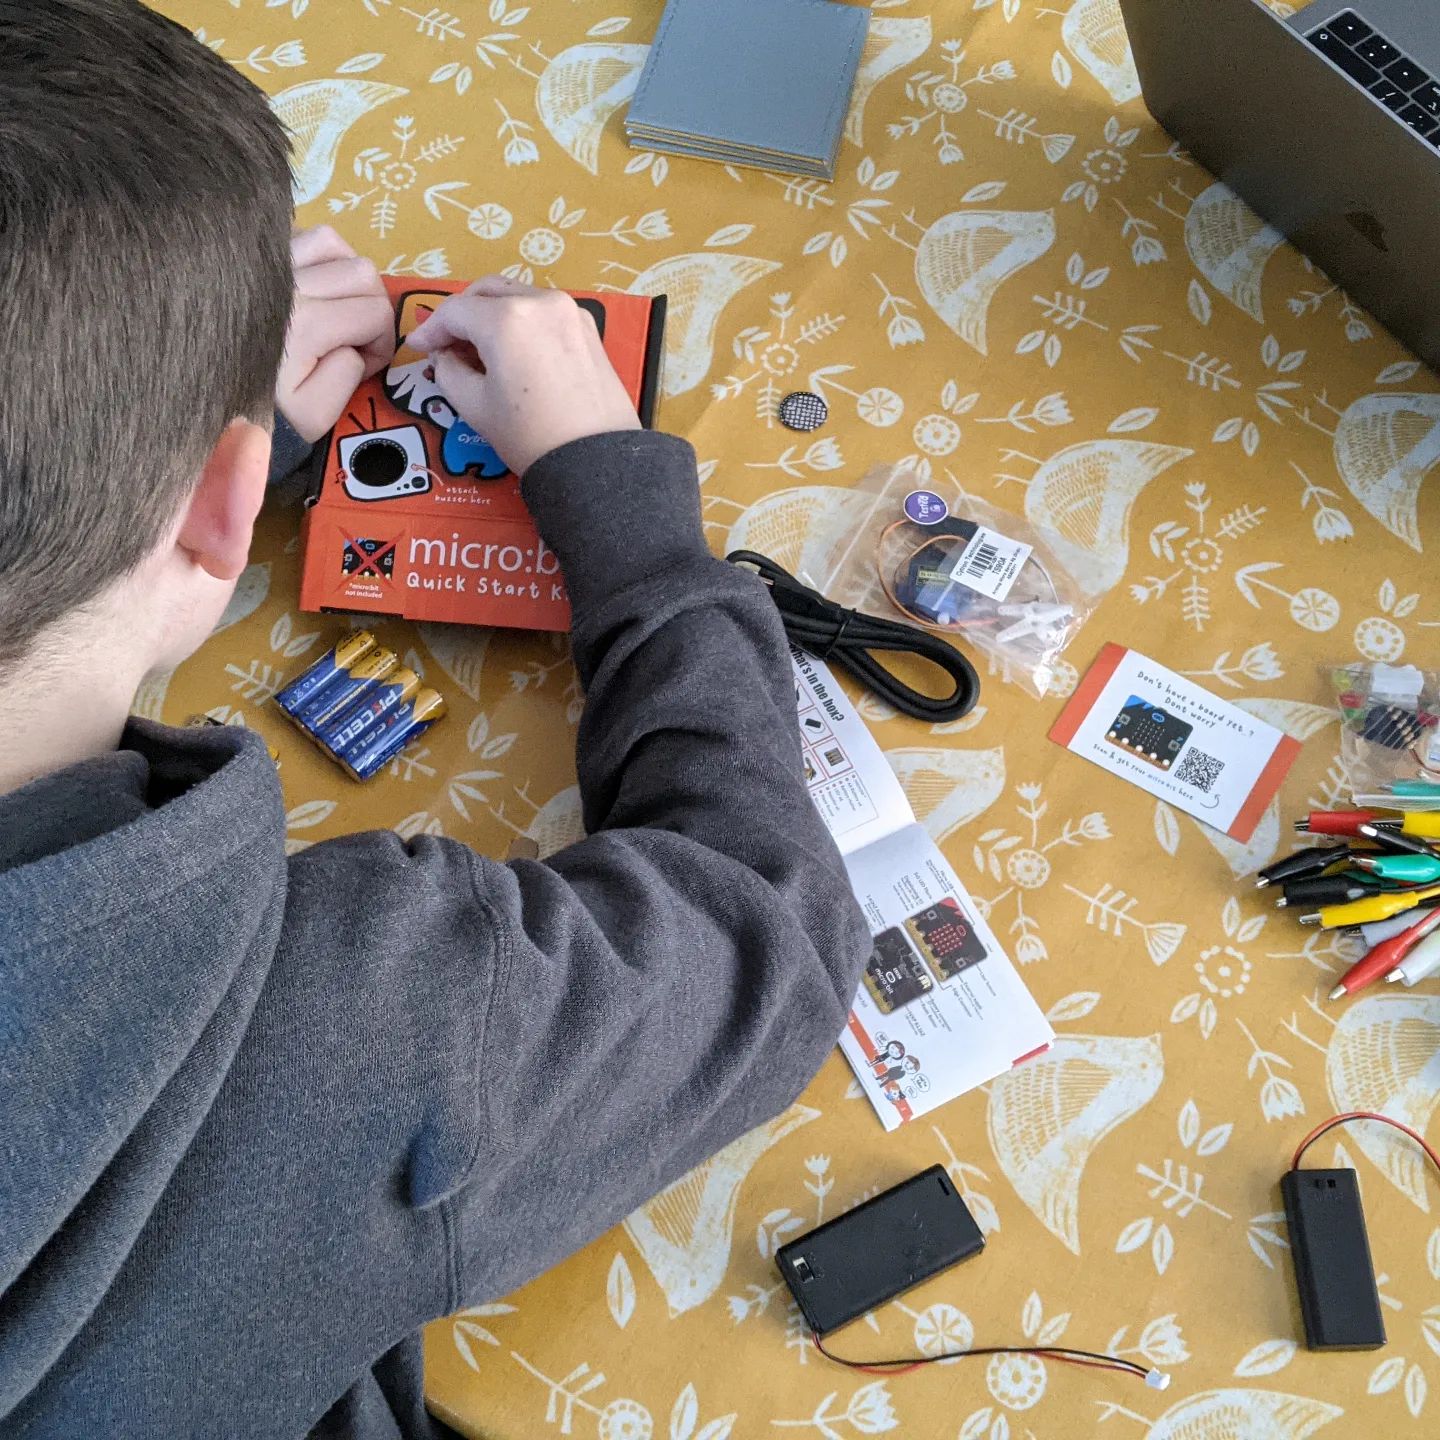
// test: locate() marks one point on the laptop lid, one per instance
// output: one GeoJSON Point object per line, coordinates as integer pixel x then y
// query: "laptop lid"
{"type": "Point", "coordinates": [1314, 154]}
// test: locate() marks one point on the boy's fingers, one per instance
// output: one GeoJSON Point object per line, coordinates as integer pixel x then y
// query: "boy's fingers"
{"type": "Point", "coordinates": [314, 247]}
{"type": "Point", "coordinates": [332, 324]}
{"type": "Point", "coordinates": [498, 286]}
{"type": "Point", "coordinates": [378, 353]}
{"type": "Point", "coordinates": [458, 367]}
{"type": "Point", "coordinates": [345, 278]}
{"type": "Point", "coordinates": [459, 380]}
{"type": "Point", "coordinates": [339, 372]}
{"type": "Point", "coordinates": [319, 401]}
{"type": "Point", "coordinates": [467, 317]}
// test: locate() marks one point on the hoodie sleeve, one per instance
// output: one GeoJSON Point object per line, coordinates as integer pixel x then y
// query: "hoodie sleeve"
{"type": "Point", "coordinates": [678, 977]}
{"type": "Point", "coordinates": [496, 1063]}
{"type": "Point", "coordinates": [288, 450]}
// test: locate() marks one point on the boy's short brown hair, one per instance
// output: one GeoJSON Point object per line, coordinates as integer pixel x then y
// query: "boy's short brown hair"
{"type": "Point", "coordinates": [145, 288]}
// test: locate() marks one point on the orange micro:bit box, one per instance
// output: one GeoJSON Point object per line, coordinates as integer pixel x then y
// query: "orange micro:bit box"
{"type": "Point", "coordinates": [411, 513]}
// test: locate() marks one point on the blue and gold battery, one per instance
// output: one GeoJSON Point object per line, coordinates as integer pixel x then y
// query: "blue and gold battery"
{"type": "Point", "coordinates": [407, 723]}
{"type": "Point", "coordinates": [358, 702]}
{"type": "Point", "coordinates": [349, 688]}
{"type": "Point", "coordinates": [325, 672]}
{"type": "Point", "coordinates": [349, 727]}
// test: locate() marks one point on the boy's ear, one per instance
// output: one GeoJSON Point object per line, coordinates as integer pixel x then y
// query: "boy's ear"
{"type": "Point", "coordinates": [219, 521]}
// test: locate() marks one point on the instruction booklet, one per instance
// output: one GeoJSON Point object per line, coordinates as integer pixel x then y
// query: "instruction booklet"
{"type": "Point", "coordinates": [941, 1009]}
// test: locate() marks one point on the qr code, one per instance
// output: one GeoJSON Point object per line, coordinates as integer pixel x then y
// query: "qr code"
{"type": "Point", "coordinates": [1200, 770]}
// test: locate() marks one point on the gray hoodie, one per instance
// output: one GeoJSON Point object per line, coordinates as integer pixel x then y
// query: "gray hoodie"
{"type": "Point", "coordinates": [262, 1118]}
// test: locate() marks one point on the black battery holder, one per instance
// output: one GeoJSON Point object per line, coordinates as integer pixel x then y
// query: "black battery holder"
{"type": "Point", "coordinates": [878, 1250]}
{"type": "Point", "coordinates": [1333, 1270]}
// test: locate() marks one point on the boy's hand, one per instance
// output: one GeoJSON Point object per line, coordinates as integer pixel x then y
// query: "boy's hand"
{"type": "Point", "coordinates": [525, 368]}
{"type": "Point", "coordinates": [342, 331]}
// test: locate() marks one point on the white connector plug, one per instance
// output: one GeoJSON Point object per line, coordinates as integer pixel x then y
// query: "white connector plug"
{"type": "Point", "coordinates": [1157, 1379]}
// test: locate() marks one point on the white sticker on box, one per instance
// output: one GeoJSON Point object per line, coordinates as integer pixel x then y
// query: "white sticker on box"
{"type": "Point", "coordinates": [991, 563]}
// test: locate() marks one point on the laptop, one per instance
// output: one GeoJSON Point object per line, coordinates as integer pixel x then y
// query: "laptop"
{"type": "Point", "coordinates": [1326, 123]}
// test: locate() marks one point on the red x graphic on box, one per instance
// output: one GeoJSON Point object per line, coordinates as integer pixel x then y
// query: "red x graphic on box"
{"type": "Point", "coordinates": [367, 561]}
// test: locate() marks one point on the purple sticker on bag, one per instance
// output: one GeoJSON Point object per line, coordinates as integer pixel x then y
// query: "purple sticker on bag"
{"type": "Point", "coordinates": [925, 507]}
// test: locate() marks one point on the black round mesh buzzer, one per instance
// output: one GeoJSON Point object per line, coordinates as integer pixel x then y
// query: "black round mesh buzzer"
{"type": "Point", "coordinates": [379, 462]}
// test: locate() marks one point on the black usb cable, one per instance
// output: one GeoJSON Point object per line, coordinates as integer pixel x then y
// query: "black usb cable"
{"type": "Point", "coordinates": [849, 638]}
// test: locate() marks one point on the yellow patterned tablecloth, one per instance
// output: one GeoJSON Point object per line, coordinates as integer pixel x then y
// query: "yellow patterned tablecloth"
{"type": "Point", "coordinates": [1018, 280]}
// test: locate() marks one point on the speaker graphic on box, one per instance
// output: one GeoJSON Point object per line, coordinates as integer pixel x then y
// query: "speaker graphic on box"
{"type": "Point", "coordinates": [384, 464]}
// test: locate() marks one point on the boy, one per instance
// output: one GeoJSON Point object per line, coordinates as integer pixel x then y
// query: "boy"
{"type": "Point", "coordinates": [247, 1142]}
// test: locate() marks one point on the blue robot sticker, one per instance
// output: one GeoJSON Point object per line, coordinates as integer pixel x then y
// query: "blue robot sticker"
{"type": "Point", "coordinates": [467, 450]}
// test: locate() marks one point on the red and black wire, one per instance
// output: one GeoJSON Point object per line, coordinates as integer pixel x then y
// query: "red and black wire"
{"type": "Point", "coordinates": [1350, 1115]}
{"type": "Point", "coordinates": [1088, 1359]}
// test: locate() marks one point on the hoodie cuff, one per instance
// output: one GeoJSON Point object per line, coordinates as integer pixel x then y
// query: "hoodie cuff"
{"type": "Point", "coordinates": [288, 450]}
{"type": "Point", "coordinates": [616, 509]}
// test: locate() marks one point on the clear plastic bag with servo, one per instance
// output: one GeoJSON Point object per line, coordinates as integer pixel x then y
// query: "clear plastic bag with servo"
{"type": "Point", "coordinates": [1389, 733]}
{"type": "Point", "coordinates": [930, 555]}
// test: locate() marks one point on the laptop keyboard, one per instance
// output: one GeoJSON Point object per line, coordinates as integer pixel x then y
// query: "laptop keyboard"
{"type": "Point", "coordinates": [1394, 79]}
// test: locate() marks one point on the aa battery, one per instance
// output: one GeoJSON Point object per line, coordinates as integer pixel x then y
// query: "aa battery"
{"type": "Point", "coordinates": [326, 671]}
{"type": "Point", "coordinates": [357, 685]}
{"type": "Point", "coordinates": [349, 727]}
{"type": "Point", "coordinates": [384, 741]}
